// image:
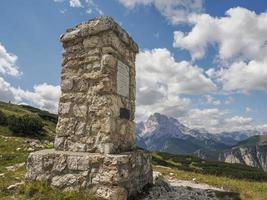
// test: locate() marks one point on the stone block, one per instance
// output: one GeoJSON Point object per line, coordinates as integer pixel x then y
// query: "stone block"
{"type": "Point", "coordinates": [109, 176]}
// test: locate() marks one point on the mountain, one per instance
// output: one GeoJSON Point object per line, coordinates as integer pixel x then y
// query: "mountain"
{"type": "Point", "coordinates": [162, 133]}
{"type": "Point", "coordinates": [166, 134]}
{"type": "Point", "coordinates": [251, 152]}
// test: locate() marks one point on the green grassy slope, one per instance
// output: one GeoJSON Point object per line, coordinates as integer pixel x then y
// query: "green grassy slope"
{"type": "Point", "coordinates": [193, 164]}
{"type": "Point", "coordinates": [48, 119]}
{"type": "Point", "coordinates": [249, 182]}
{"type": "Point", "coordinates": [254, 140]}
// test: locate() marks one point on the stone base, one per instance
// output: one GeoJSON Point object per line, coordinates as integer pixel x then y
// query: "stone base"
{"type": "Point", "coordinates": [110, 176]}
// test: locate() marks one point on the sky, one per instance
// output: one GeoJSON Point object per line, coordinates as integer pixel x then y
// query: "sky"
{"type": "Point", "coordinates": [203, 62]}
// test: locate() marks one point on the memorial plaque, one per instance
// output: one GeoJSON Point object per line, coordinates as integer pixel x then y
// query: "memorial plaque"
{"type": "Point", "coordinates": [124, 113]}
{"type": "Point", "coordinates": [123, 79]}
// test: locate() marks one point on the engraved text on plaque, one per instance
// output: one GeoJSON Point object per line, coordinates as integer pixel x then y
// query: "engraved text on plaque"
{"type": "Point", "coordinates": [123, 79]}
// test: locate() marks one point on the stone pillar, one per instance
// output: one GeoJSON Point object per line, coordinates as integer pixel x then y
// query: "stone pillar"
{"type": "Point", "coordinates": [95, 135]}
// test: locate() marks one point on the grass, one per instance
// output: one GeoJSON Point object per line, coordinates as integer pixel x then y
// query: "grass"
{"type": "Point", "coordinates": [184, 168]}
{"type": "Point", "coordinates": [248, 190]}
{"type": "Point", "coordinates": [193, 164]}
{"type": "Point", "coordinates": [48, 119]}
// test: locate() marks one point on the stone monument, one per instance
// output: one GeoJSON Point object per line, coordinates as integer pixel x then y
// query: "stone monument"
{"type": "Point", "coordinates": [95, 135]}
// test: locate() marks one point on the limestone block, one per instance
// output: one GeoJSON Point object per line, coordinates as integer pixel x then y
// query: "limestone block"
{"type": "Point", "coordinates": [80, 110]}
{"type": "Point", "coordinates": [70, 35]}
{"type": "Point", "coordinates": [109, 176]}
{"type": "Point", "coordinates": [91, 42]}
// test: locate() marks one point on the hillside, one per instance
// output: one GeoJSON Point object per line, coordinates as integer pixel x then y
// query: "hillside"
{"type": "Point", "coordinates": [48, 119]}
{"type": "Point", "coordinates": [248, 182]}
{"type": "Point", "coordinates": [251, 152]}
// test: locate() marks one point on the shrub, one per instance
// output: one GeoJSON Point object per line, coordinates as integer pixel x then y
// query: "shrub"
{"type": "Point", "coordinates": [3, 118]}
{"type": "Point", "coordinates": [25, 125]}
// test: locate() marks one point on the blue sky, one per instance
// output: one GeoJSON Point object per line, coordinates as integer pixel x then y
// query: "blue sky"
{"type": "Point", "coordinates": [203, 62]}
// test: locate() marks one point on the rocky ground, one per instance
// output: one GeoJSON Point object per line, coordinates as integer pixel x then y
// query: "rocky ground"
{"type": "Point", "coordinates": [170, 189]}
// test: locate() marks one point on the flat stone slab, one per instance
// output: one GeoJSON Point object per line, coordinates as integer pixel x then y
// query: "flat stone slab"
{"type": "Point", "coordinates": [110, 176]}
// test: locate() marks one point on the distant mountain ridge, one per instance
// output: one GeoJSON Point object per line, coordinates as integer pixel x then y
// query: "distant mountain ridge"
{"type": "Point", "coordinates": [167, 134]}
{"type": "Point", "coordinates": [251, 152]}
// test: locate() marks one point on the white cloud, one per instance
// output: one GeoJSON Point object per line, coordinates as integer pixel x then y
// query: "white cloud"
{"type": "Point", "coordinates": [158, 71]}
{"type": "Point", "coordinates": [6, 91]}
{"type": "Point", "coordinates": [216, 121]}
{"type": "Point", "coordinates": [244, 77]}
{"type": "Point", "coordinates": [72, 3]}
{"type": "Point", "coordinates": [263, 128]}
{"type": "Point", "coordinates": [240, 35]}
{"type": "Point", "coordinates": [93, 7]}
{"type": "Point", "coordinates": [43, 96]}
{"type": "Point", "coordinates": [211, 100]}
{"type": "Point", "coordinates": [160, 79]}
{"type": "Point", "coordinates": [229, 100]}
{"type": "Point", "coordinates": [176, 11]}
{"type": "Point", "coordinates": [8, 62]}
{"type": "Point", "coordinates": [248, 109]}
{"type": "Point", "coordinates": [75, 3]}
{"type": "Point", "coordinates": [241, 38]}
{"type": "Point", "coordinates": [237, 123]}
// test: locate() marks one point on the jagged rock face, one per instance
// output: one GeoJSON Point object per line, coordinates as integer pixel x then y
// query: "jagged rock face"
{"type": "Point", "coordinates": [161, 133]}
{"type": "Point", "coordinates": [254, 156]}
{"type": "Point", "coordinates": [89, 108]}
{"type": "Point", "coordinates": [159, 125]}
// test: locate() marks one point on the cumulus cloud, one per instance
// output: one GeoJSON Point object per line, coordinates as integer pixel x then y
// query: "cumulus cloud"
{"type": "Point", "coordinates": [244, 77]}
{"type": "Point", "coordinates": [240, 37]}
{"type": "Point", "coordinates": [160, 79]}
{"type": "Point", "coordinates": [6, 91]}
{"type": "Point", "coordinates": [176, 11]}
{"type": "Point", "coordinates": [43, 96]}
{"type": "Point", "coordinates": [159, 72]}
{"type": "Point", "coordinates": [263, 128]}
{"type": "Point", "coordinates": [241, 34]}
{"type": "Point", "coordinates": [8, 62]}
{"type": "Point", "coordinates": [216, 121]}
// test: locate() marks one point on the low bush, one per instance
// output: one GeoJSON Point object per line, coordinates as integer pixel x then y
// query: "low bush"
{"type": "Point", "coordinates": [3, 118]}
{"type": "Point", "coordinates": [25, 125]}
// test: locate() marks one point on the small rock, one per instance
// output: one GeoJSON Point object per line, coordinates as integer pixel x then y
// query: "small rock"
{"type": "Point", "coordinates": [15, 167]}
{"type": "Point", "coordinates": [17, 149]}
{"type": "Point", "coordinates": [30, 149]}
{"type": "Point", "coordinates": [14, 186]}
{"type": "Point", "coordinates": [2, 175]}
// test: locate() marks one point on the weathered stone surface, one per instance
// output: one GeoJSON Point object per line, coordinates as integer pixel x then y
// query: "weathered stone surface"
{"type": "Point", "coordinates": [92, 136]}
{"type": "Point", "coordinates": [113, 176]}
{"type": "Point", "coordinates": [91, 93]}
